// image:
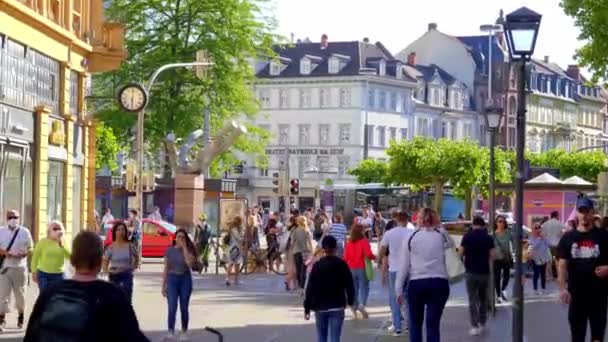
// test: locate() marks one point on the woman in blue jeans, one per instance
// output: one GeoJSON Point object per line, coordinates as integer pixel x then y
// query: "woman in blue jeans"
{"type": "Point", "coordinates": [357, 250]}
{"type": "Point", "coordinates": [121, 259]}
{"type": "Point", "coordinates": [424, 265]}
{"type": "Point", "coordinates": [177, 281]}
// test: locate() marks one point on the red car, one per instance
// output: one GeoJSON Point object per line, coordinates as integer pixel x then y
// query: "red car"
{"type": "Point", "coordinates": [157, 236]}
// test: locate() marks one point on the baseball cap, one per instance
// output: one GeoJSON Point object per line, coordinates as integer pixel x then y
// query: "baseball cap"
{"type": "Point", "coordinates": [584, 203]}
{"type": "Point", "coordinates": [329, 242]}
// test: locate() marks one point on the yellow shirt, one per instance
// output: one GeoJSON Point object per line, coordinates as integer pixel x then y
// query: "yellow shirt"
{"type": "Point", "coordinates": [48, 257]}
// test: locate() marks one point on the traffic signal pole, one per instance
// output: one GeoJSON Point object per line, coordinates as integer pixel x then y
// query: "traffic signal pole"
{"type": "Point", "coordinates": [285, 187]}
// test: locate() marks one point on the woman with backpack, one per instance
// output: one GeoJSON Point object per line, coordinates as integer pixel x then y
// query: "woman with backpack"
{"type": "Point", "coordinates": [234, 258]}
{"type": "Point", "coordinates": [121, 259]}
{"type": "Point", "coordinates": [356, 251]}
{"type": "Point", "coordinates": [177, 281]}
{"type": "Point", "coordinates": [49, 257]}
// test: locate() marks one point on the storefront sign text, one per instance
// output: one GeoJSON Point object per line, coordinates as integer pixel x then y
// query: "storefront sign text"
{"type": "Point", "coordinates": [306, 151]}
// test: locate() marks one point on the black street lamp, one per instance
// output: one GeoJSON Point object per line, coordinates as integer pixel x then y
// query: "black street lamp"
{"type": "Point", "coordinates": [521, 28]}
{"type": "Point", "coordinates": [493, 118]}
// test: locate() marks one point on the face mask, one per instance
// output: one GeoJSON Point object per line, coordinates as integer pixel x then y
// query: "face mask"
{"type": "Point", "coordinates": [13, 223]}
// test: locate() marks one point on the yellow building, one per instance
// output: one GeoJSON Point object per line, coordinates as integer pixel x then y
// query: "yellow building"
{"type": "Point", "coordinates": [48, 48]}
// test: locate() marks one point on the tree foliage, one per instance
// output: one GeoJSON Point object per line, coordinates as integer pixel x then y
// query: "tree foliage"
{"type": "Point", "coordinates": [370, 171]}
{"type": "Point", "coordinates": [158, 32]}
{"type": "Point", "coordinates": [107, 147]}
{"type": "Point", "coordinates": [591, 17]}
{"type": "Point", "coordinates": [586, 165]}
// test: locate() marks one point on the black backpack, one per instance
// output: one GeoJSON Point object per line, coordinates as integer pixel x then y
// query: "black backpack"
{"type": "Point", "coordinates": [69, 315]}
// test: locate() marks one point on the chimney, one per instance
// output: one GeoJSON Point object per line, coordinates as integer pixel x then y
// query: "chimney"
{"type": "Point", "coordinates": [546, 60]}
{"type": "Point", "coordinates": [411, 59]}
{"type": "Point", "coordinates": [324, 41]}
{"type": "Point", "coordinates": [432, 26]}
{"type": "Point", "coordinates": [574, 71]}
{"type": "Point", "coordinates": [366, 40]}
{"type": "Point", "coordinates": [293, 36]}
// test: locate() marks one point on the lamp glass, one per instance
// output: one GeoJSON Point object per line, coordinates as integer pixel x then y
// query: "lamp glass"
{"type": "Point", "coordinates": [493, 119]}
{"type": "Point", "coordinates": [523, 40]}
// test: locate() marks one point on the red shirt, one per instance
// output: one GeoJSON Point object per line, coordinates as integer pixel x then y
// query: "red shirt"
{"type": "Point", "coordinates": [355, 253]}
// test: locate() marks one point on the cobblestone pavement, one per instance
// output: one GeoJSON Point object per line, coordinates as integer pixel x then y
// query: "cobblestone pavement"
{"type": "Point", "coordinates": [261, 311]}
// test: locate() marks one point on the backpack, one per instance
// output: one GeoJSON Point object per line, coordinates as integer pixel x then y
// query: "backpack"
{"type": "Point", "coordinates": [68, 315]}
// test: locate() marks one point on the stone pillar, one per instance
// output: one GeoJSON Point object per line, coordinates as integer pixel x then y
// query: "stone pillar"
{"type": "Point", "coordinates": [88, 175]}
{"type": "Point", "coordinates": [68, 183]}
{"type": "Point", "coordinates": [189, 198]}
{"type": "Point", "coordinates": [41, 171]}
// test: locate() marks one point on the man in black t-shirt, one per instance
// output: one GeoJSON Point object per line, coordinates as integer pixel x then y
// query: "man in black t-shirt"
{"type": "Point", "coordinates": [478, 249]}
{"type": "Point", "coordinates": [582, 270]}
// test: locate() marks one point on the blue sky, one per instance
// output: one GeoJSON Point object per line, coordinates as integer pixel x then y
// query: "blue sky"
{"type": "Point", "coordinates": [396, 23]}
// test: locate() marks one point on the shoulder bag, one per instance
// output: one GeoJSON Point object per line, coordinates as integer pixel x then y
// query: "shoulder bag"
{"type": "Point", "coordinates": [8, 248]}
{"type": "Point", "coordinates": [453, 262]}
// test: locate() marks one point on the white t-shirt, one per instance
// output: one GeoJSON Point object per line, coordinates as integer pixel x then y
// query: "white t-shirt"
{"type": "Point", "coordinates": [394, 240]}
{"type": "Point", "coordinates": [552, 230]}
{"type": "Point", "coordinates": [23, 243]}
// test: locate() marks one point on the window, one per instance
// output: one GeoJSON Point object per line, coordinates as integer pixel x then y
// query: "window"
{"type": "Point", "coordinates": [453, 131]}
{"type": "Point", "coordinates": [284, 98]}
{"type": "Point", "coordinates": [264, 97]}
{"type": "Point", "coordinates": [323, 163]}
{"type": "Point", "coordinates": [324, 98]}
{"type": "Point", "coordinates": [371, 97]}
{"type": "Point", "coordinates": [370, 135]}
{"type": "Point", "coordinates": [382, 101]}
{"type": "Point", "coordinates": [305, 98]}
{"type": "Point", "coordinates": [73, 93]}
{"type": "Point", "coordinates": [334, 65]}
{"type": "Point", "coordinates": [468, 130]}
{"type": "Point", "coordinates": [400, 107]}
{"type": "Point", "coordinates": [382, 68]}
{"type": "Point", "coordinates": [275, 68]}
{"type": "Point", "coordinates": [393, 133]}
{"type": "Point", "coordinates": [345, 97]}
{"type": "Point", "coordinates": [394, 102]}
{"type": "Point", "coordinates": [304, 134]}
{"type": "Point", "coordinates": [305, 66]}
{"type": "Point", "coordinates": [324, 134]}
{"type": "Point", "coordinates": [381, 136]}
{"type": "Point", "coordinates": [54, 203]}
{"type": "Point", "coordinates": [444, 129]}
{"type": "Point", "coordinates": [263, 172]}
{"type": "Point", "coordinates": [303, 165]}
{"type": "Point", "coordinates": [420, 93]}
{"type": "Point", "coordinates": [344, 134]}
{"type": "Point", "coordinates": [283, 134]}
{"type": "Point", "coordinates": [343, 165]}
{"type": "Point", "coordinates": [422, 127]}
{"type": "Point", "coordinates": [403, 133]}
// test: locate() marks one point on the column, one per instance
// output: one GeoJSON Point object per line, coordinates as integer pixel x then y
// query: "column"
{"type": "Point", "coordinates": [41, 171]}
{"type": "Point", "coordinates": [68, 184]}
{"type": "Point", "coordinates": [89, 174]}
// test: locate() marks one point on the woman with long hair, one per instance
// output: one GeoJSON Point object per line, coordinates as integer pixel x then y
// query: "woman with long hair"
{"type": "Point", "coordinates": [235, 249]}
{"type": "Point", "coordinates": [49, 257]}
{"type": "Point", "coordinates": [291, 276]}
{"type": "Point", "coordinates": [121, 259]}
{"type": "Point", "coordinates": [177, 280]}
{"type": "Point", "coordinates": [425, 268]}
{"type": "Point", "coordinates": [301, 241]}
{"type": "Point", "coordinates": [504, 260]}
{"type": "Point", "coordinates": [356, 251]}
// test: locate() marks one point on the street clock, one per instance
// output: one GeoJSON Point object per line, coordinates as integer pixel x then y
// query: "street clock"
{"type": "Point", "coordinates": [133, 98]}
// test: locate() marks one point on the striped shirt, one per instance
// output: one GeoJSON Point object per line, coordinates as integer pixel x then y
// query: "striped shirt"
{"type": "Point", "coordinates": [338, 231]}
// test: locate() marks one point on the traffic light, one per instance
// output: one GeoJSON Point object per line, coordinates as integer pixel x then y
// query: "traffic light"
{"type": "Point", "coordinates": [131, 176]}
{"type": "Point", "coordinates": [294, 187]}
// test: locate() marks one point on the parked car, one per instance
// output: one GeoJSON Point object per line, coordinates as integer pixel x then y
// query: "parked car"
{"type": "Point", "coordinates": [157, 236]}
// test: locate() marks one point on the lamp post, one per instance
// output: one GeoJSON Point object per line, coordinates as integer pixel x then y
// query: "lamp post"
{"type": "Point", "coordinates": [491, 29]}
{"type": "Point", "coordinates": [493, 118]}
{"type": "Point", "coordinates": [367, 72]}
{"type": "Point", "coordinates": [521, 28]}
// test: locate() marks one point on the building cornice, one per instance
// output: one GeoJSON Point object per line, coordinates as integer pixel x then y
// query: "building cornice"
{"type": "Point", "coordinates": [335, 79]}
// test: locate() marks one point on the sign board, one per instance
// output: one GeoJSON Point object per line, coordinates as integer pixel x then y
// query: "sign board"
{"type": "Point", "coordinates": [306, 151]}
{"type": "Point", "coordinates": [230, 208]}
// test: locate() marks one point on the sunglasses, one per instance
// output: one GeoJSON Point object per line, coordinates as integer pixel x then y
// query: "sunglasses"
{"type": "Point", "coordinates": [13, 217]}
{"type": "Point", "coordinates": [56, 229]}
{"type": "Point", "coordinates": [537, 227]}
{"type": "Point", "coordinates": [584, 210]}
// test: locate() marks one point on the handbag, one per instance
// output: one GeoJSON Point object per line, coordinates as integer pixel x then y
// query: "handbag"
{"type": "Point", "coordinates": [8, 248]}
{"type": "Point", "coordinates": [369, 269]}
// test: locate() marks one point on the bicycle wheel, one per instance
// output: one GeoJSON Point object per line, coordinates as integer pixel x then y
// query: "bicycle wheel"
{"type": "Point", "coordinates": [278, 263]}
{"type": "Point", "coordinates": [250, 263]}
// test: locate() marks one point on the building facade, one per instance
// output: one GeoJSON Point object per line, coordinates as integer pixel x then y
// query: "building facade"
{"type": "Point", "coordinates": [48, 48]}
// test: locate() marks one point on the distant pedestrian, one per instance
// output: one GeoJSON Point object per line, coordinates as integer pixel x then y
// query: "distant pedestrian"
{"type": "Point", "coordinates": [84, 308]}
{"type": "Point", "coordinates": [120, 260]}
{"type": "Point", "coordinates": [379, 225]}
{"type": "Point", "coordinates": [177, 281]}
{"type": "Point", "coordinates": [424, 265]}
{"type": "Point", "coordinates": [330, 289]}
{"type": "Point", "coordinates": [202, 235]}
{"type": "Point", "coordinates": [107, 217]}
{"type": "Point", "coordinates": [170, 213]}
{"type": "Point", "coordinates": [539, 255]}
{"type": "Point", "coordinates": [155, 214]}
{"type": "Point", "coordinates": [583, 269]}
{"type": "Point", "coordinates": [301, 250]}
{"type": "Point", "coordinates": [338, 231]}
{"type": "Point", "coordinates": [503, 240]}
{"type": "Point", "coordinates": [392, 223]}
{"type": "Point", "coordinates": [477, 247]}
{"type": "Point", "coordinates": [49, 257]}
{"type": "Point", "coordinates": [553, 230]}
{"type": "Point", "coordinates": [134, 227]}
{"type": "Point", "coordinates": [234, 256]}
{"type": "Point", "coordinates": [15, 247]}
{"type": "Point", "coordinates": [356, 252]}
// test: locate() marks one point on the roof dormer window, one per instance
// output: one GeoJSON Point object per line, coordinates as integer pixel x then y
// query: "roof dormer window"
{"type": "Point", "coordinates": [334, 65]}
{"type": "Point", "coordinates": [305, 66]}
{"type": "Point", "coordinates": [275, 68]}
{"type": "Point", "coordinates": [382, 68]}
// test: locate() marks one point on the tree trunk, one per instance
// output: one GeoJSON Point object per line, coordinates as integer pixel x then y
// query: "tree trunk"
{"type": "Point", "coordinates": [468, 204]}
{"type": "Point", "coordinates": [438, 202]}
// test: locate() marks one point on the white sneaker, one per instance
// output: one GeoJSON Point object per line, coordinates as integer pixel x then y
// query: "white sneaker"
{"type": "Point", "coordinates": [504, 296]}
{"type": "Point", "coordinates": [474, 331]}
{"type": "Point", "coordinates": [170, 336]}
{"type": "Point", "coordinates": [536, 293]}
{"type": "Point", "coordinates": [397, 333]}
{"type": "Point", "coordinates": [183, 336]}
{"type": "Point", "coordinates": [391, 328]}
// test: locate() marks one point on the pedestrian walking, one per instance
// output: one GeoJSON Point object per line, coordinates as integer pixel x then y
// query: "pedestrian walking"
{"type": "Point", "coordinates": [503, 240]}
{"type": "Point", "coordinates": [391, 249]}
{"type": "Point", "coordinates": [15, 247]}
{"type": "Point", "coordinates": [392, 223]}
{"type": "Point", "coordinates": [338, 231]}
{"type": "Point", "coordinates": [155, 215]}
{"type": "Point", "coordinates": [540, 255]}
{"type": "Point", "coordinates": [424, 265]}
{"type": "Point", "coordinates": [291, 278]}
{"type": "Point", "coordinates": [134, 227]}
{"type": "Point", "coordinates": [379, 225]}
{"type": "Point", "coordinates": [302, 248]}
{"type": "Point", "coordinates": [177, 281]}
{"type": "Point", "coordinates": [477, 247]}
{"type": "Point", "coordinates": [48, 258]}
{"type": "Point", "coordinates": [356, 252]}
{"type": "Point", "coordinates": [202, 234]}
{"type": "Point", "coordinates": [325, 225]}
{"type": "Point", "coordinates": [330, 289]}
{"type": "Point", "coordinates": [553, 230]}
{"type": "Point", "coordinates": [234, 257]}
{"type": "Point", "coordinates": [170, 213]}
{"type": "Point", "coordinates": [107, 217]}
{"type": "Point", "coordinates": [583, 269]}
{"type": "Point", "coordinates": [121, 259]}
{"type": "Point", "coordinates": [84, 308]}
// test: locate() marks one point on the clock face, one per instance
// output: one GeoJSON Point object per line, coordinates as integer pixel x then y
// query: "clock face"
{"type": "Point", "coordinates": [133, 98]}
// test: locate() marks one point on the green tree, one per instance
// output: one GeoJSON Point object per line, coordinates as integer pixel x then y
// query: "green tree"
{"type": "Point", "coordinates": [591, 17]}
{"type": "Point", "coordinates": [586, 165]}
{"type": "Point", "coordinates": [231, 32]}
{"type": "Point", "coordinates": [107, 147]}
{"type": "Point", "coordinates": [370, 171]}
